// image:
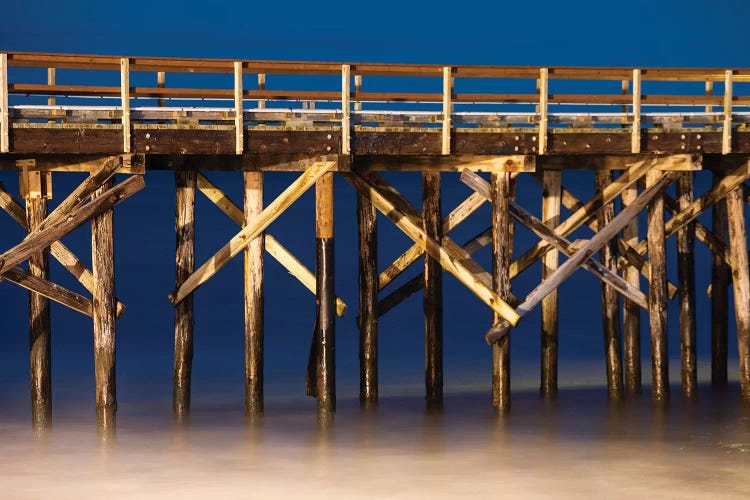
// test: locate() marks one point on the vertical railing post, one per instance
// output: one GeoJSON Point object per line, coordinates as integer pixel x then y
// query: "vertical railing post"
{"type": "Point", "coordinates": [357, 90]}
{"type": "Point", "coordinates": [161, 82]}
{"type": "Point", "coordinates": [726, 140]}
{"type": "Point", "coordinates": [4, 125]}
{"type": "Point", "coordinates": [125, 98]}
{"type": "Point", "coordinates": [261, 86]}
{"type": "Point", "coordinates": [447, 108]}
{"type": "Point", "coordinates": [238, 118]}
{"type": "Point", "coordinates": [543, 101]}
{"type": "Point", "coordinates": [345, 110]}
{"type": "Point", "coordinates": [709, 92]}
{"type": "Point", "coordinates": [635, 137]}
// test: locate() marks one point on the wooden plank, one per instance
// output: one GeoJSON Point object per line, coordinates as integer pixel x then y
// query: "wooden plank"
{"type": "Point", "coordinates": [368, 300]}
{"type": "Point", "coordinates": [254, 298]}
{"type": "Point", "coordinates": [4, 114]}
{"type": "Point", "coordinates": [44, 237]}
{"type": "Point", "coordinates": [274, 248]}
{"type": "Point", "coordinates": [185, 183]}
{"type": "Point", "coordinates": [447, 109]}
{"type": "Point", "coordinates": [60, 252]}
{"type": "Point", "coordinates": [609, 299]}
{"type": "Point", "coordinates": [686, 279]}
{"type": "Point", "coordinates": [49, 290]}
{"type": "Point", "coordinates": [631, 312]}
{"type": "Point", "coordinates": [740, 285]}
{"type": "Point", "coordinates": [551, 197]}
{"type": "Point", "coordinates": [657, 292]}
{"type": "Point", "coordinates": [102, 250]}
{"type": "Point", "coordinates": [40, 337]}
{"type": "Point", "coordinates": [501, 192]}
{"type": "Point", "coordinates": [452, 163]}
{"type": "Point", "coordinates": [635, 132]}
{"type": "Point", "coordinates": [726, 142]}
{"type": "Point", "coordinates": [346, 146]}
{"type": "Point", "coordinates": [500, 329]}
{"type": "Point", "coordinates": [125, 102]}
{"type": "Point", "coordinates": [450, 222]}
{"type": "Point", "coordinates": [543, 99]}
{"type": "Point", "coordinates": [433, 292]}
{"type": "Point", "coordinates": [238, 109]}
{"type": "Point", "coordinates": [260, 223]}
{"type": "Point", "coordinates": [451, 256]}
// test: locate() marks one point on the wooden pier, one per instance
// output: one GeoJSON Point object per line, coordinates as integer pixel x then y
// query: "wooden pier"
{"type": "Point", "coordinates": [650, 129]}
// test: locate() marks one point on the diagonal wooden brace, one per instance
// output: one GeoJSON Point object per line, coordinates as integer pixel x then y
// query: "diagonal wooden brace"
{"type": "Point", "coordinates": [628, 252]}
{"type": "Point", "coordinates": [729, 183]}
{"type": "Point", "coordinates": [50, 290]}
{"type": "Point", "coordinates": [45, 237]}
{"type": "Point", "coordinates": [252, 230]}
{"type": "Point", "coordinates": [272, 245]}
{"type": "Point", "coordinates": [584, 214]}
{"type": "Point", "coordinates": [452, 257]}
{"type": "Point", "coordinates": [568, 267]}
{"type": "Point", "coordinates": [545, 232]}
{"type": "Point", "coordinates": [59, 251]}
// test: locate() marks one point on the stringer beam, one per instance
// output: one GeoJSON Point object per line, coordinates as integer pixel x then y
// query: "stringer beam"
{"type": "Point", "coordinates": [549, 235]}
{"type": "Point", "coordinates": [49, 290]}
{"type": "Point", "coordinates": [239, 241]}
{"type": "Point", "coordinates": [452, 257]}
{"type": "Point", "coordinates": [272, 245]}
{"type": "Point", "coordinates": [601, 238]}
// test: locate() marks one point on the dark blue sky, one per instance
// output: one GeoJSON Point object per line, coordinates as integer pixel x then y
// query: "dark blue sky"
{"type": "Point", "coordinates": [635, 33]}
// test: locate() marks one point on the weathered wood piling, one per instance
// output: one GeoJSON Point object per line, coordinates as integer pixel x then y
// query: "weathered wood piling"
{"type": "Point", "coordinates": [357, 140]}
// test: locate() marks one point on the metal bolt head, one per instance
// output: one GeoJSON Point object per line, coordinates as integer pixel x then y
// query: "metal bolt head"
{"type": "Point", "coordinates": [328, 136]}
{"type": "Point", "coordinates": [148, 136]}
{"type": "Point", "coordinates": [698, 136]}
{"type": "Point", "coordinates": [515, 149]}
{"type": "Point", "coordinates": [516, 138]}
{"type": "Point", "coordinates": [148, 148]}
{"type": "Point", "coordinates": [328, 148]}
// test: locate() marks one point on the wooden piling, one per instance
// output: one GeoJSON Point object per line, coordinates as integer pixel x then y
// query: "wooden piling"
{"type": "Point", "coordinates": [39, 326]}
{"type": "Point", "coordinates": [741, 284]}
{"type": "Point", "coordinates": [686, 280]}
{"type": "Point", "coordinates": [102, 248]}
{"type": "Point", "coordinates": [610, 299]}
{"type": "Point", "coordinates": [720, 275]}
{"type": "Point", "coordinates": [185, 183]}
{"type": "Point", "coordinates": [631, 312]}
{"type": "Point", "coordinates": [502, 253]}
{"type": "Point", "coordinates": [368, 300]}
{"type": "Point", "coordinates": [254, 299]}
{"type": "Point", "coordinates": [657, 293]}
{"type": "Point", "coordinates": [433, 293]}
{"type": "Point", "coordinates": [326, 300]}
{"type": "Point", "coordinates": [551, 196]}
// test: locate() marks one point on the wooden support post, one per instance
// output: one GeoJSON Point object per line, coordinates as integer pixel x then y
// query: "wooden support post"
{"type": "Point", "coordinates": [357, 91]}
{"type": "Point", "coordinates": [720, 276]}
{"type": "Point", "coordinates": [657, 293]}
{"type": "Point", "coordinates": [551, 196]}
{"type": "Point", "coordinates": [741, 284]}
{"type": "Point", "coordinates": [502, 253]}
{"type": "Point", "coordinates": [631, 312]}
{"type": "Point", "coordinates": [345, 110]}
{"type": "Point", "coordinates": [326, 322]}
{"type": "Point", "coordinates": [4, 112]}
{"type": "Point", "coordinates": [161, 82]}
{"type": "Point", "coordinates": [261, 86]}
{"type": "Point", "coordinates": [726, 139]}
{"type": "Point", "coordinates": [39, 326]}
{"type": "Point", "coordinates": [125, 100]}
{"type": "Point", "coordinates": [447, 109]}
{"type": "Point", "coordinates": [238, 117]}
{"type": "Point", "coordinates": [433, 292]}
{"type": "Point", "coordinates": [610, 300]}
{"type": "Point", "coordinates": [253, 299]}
{"type": "Point", "coordinates": [368, 301]}
{"type": "Point", "coordinates": [543, 98]}
{"type": "Point", "coordinates": [686, 279]}
{"type": "Point", "coordinates": [635, 137]}
{"type": "Point", "coordinates": [102, 248]}
{"type": "Point", "coordinates": [185, 183]}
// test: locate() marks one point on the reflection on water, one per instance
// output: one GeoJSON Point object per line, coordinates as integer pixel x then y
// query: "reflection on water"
{"type": "Point", "coordinates": [580, 446]}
